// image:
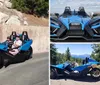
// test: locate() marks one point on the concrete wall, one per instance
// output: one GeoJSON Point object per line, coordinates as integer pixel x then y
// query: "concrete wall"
{"type": "Point", "coordinates": [39, 35]}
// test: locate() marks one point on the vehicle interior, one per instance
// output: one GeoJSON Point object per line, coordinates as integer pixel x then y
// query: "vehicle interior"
{"type": "Point", "coordinates": [24, 38]}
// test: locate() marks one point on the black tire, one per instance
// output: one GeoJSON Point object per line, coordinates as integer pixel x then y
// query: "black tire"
{"type": "Point", "coordinates": [1, 62]}
{"type": "Point", "coordinates": [29, 53]}
{"type": "Point", "coordinates": [95, 73]}
{"type": "Point", "coordinates": [53, 73]}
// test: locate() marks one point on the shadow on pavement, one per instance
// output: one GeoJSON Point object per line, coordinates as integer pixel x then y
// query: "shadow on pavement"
{"type": "Point", "coordinates": [74, 40]}
{"type": "Point", "coordinates": [82, 79]}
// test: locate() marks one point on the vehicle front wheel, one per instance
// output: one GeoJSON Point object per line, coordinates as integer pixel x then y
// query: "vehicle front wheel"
{"type": "Point", "coordinates": [53, 74]}
{"type": "Point", "coordinates": [95, 73]}
{"type": "Point", "coordinates": [1, 62]}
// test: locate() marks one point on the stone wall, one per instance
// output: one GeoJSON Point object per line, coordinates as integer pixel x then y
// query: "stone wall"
{"type": "Point", "coordinates": [39, 35]}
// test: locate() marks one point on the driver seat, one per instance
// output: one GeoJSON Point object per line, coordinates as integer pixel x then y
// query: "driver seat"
{"type": "Point", "coordinates": [24, 36]}
{"type": "Point", "coordinates": [67, 12]}
{"type": "Point", "coordinates": [13, 36]}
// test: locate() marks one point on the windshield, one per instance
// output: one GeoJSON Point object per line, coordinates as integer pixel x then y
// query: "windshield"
{"type": "Point", "coordinates": [67, 63]}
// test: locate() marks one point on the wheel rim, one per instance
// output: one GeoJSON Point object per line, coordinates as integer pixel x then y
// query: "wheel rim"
{"type": "Point", "coordinates": [96, 73]}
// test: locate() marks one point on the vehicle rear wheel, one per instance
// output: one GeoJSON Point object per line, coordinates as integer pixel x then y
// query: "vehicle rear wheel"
{"type": "Point", "coordinates": [95, 73]}
{"type": "Point", "coordinates": [29, 53]}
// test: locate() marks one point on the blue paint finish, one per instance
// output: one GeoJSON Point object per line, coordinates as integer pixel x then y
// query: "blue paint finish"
{"type": "Point", "coordinates": [74, 19]}
{"type": "Point", "coordinates": [85, 22]}
{"type": "Point", "coordinates": [55, 26]}
{"type": "Point", "coordinates": [60, 66]}
{"type": "Point", "coordinates": [78, 68]}
{"type": "Point", "coordinates": [3, 47]}
{"type": "Point", "coordinates": [96, 26]}
{"type": "Point", "coordinates": [65, 21]}
{"type": "Point", "coordinates": [53, 35]}
{"type": "Point", "coordinates": [84, 66]}
{"type": "Point", "coordinates": [26, 46]}
{"type": "Point", "coordinates": [91, 60]}
{"type": "Point", "coordinates": [95, 35]}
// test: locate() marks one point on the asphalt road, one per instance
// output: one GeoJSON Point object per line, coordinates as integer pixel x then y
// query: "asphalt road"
{"type": "Point", "coordinates": [30, 72]}
{"type": "Point", "coordinates": [75, 81]}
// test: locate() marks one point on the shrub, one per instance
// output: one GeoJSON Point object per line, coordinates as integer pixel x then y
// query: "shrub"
{"type": "Point", "coordinates": [38, 7]}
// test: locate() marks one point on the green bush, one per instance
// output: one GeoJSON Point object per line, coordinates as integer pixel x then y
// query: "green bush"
{"type": "Point", "coordinates": [38, 7]}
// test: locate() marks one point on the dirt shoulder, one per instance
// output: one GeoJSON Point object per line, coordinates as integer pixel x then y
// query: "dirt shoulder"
{"type": "Point", "coordinates": [36, 21]}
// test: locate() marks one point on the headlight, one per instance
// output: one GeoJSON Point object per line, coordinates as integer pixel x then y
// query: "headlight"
{"type": "Point", "coordinates": [97, 30]}
{"type": "Point", "coordinates": [53, 22]}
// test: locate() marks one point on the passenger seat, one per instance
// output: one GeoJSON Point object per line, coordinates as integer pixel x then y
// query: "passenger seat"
{"type": "Point", "coordinates": [82, 12]}
{"type": "Point", "coordinates": [24, 36]}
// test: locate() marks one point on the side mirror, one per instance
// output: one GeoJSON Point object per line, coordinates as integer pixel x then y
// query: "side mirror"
{"type": "Point", "coordinates": [94, 15]}
{"type": "Point", "coordinates": [57, 14]}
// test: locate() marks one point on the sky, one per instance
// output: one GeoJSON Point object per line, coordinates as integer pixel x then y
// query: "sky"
{"type": "Point", "coordinates": [77, 49]}
{"type": "Point", "coordinates": [89, 5]}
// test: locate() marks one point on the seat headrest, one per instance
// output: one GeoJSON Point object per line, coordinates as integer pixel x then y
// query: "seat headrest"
{"type": "Point", "coordinates": [13, 36]}
{"type": "Point", "coordinates": [67, 12]}
{"type": "Point", "coordinates": [24, 36]}
{"type": "Point", "coordinates": [13, 33]}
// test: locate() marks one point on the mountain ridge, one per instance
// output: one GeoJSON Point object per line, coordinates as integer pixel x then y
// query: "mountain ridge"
{"type": "Point", "coordinates": [83, 56]}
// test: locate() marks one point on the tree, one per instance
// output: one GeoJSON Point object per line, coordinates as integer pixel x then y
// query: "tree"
{"type": "Point", "coordinates": [38, 7]}
{"type": "Point", "coordinates": [96, 52]}
{"type": "Point", "coordinates": [61, 58]}
{"type": "Point", "coordinates": [68, 54]}
{"type": "Point", "coordinates": [53, 54]}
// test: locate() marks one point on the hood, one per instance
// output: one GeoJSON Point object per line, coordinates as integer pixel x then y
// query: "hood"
{"type": "Point", "coordinates": [61, 66]}
{"type": "Point", "coordinates": [74, 19]}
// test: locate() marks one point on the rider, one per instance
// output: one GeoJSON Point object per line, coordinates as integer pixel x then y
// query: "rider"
{"type": "Point", "coordinates": [16, 45]}
{"type": "Point", "coordinates": [8, 42]}
{"type": "Point", "coordinates": [74, 64]}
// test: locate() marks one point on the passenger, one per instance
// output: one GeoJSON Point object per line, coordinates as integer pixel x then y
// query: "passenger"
{"type": "Point", "coordinates": [74, 64]}
{"type": "Point", "coordinates": [8, 42]}
{"type": "Point", "coordinates": [16, 45]}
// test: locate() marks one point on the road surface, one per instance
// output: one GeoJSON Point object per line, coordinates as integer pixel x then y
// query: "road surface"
{"type": "Point", "coordinates": [79, 81]}
{"type": "Point", "coordinates": [30, 72]}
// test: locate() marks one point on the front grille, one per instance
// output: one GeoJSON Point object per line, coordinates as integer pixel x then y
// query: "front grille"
{"type": "Point", "coordinates": [75, 27]}
{"type": "Point", "coordinates": [75, 30]}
